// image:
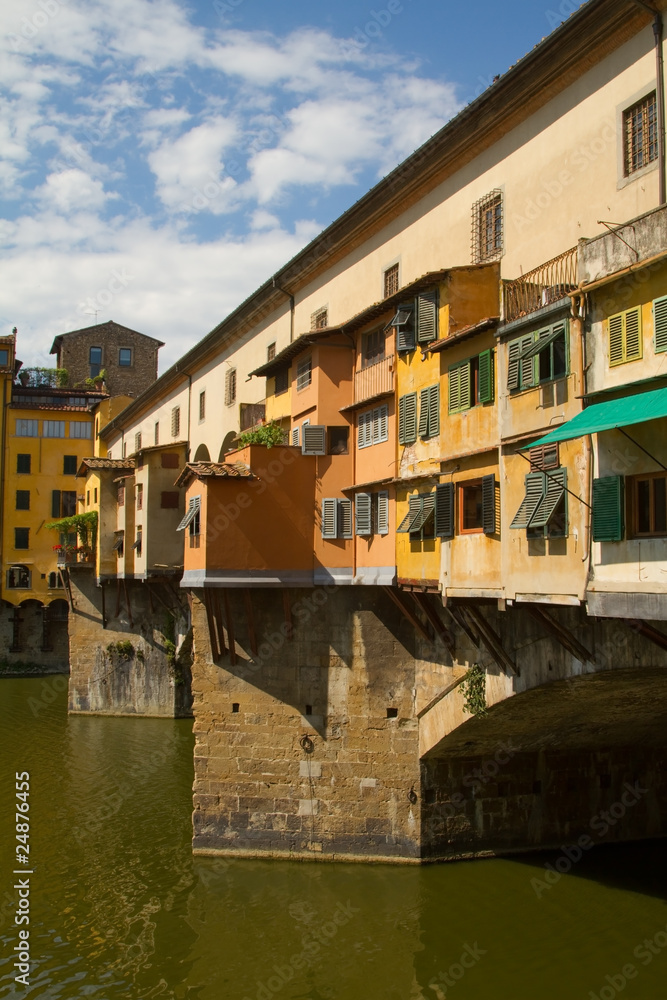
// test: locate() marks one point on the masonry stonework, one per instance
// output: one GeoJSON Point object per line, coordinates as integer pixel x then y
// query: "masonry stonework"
{"type": "Point", "coordinates": [73, 354]}
{"type": "Point", "coordinates": [33, 638]}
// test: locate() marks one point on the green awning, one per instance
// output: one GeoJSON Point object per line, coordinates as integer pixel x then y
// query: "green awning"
{"type": "Point", "coordinates": [610, 415]}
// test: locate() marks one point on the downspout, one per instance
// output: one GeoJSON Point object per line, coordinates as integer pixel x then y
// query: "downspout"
{"type": "Point", "coordinates": [187, 447]}
{"type": "Point", "coordinates": [660, 93]}
{"type": "Point", "coordinates": [291, 308]}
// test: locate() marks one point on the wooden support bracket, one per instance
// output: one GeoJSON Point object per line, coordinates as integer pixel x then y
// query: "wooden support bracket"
{"type": "Point", "coordinates": [400, 600]}
{"type": "Point", "coordinates": [559, 632]}
{"type": "Point", "coordinates": [491, 640]}
{"type": "Point", "coordinates": [221, 622]}
{"type": "Point", "coordinates": [127, 603]}
{"type": "Point", "coordinates": [441, 630]}
{"type": "Point", "coordinates": [648, 631]}
{"type": "Point", "coordinates": [230, 628]}
{"type": "Point", "coordinates": [210, 621]}
{"type": "Point", "coordinates": [287, 609]}
{"type": "Point", "coordinates": [459, 616]}
{"type": "Point", "coordinates": [250, 615]}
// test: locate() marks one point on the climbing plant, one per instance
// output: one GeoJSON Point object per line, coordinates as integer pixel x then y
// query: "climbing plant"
{"type": "Point", "coordinates": [473, 687]}
{"type": "Point", "coordinates": [85, 526]}
{"type": "Point", "coordinates": [267, 435]}
{"type": "Point", "coordinates": [52, 378]}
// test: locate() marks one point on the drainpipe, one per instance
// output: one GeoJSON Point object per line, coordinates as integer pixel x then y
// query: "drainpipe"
{"type": "Point", "coordinates": [291, 308]}
{"type": "Point", "coordinates": [187, 447]}
{"type": "Point", "coordinates": [660, 93]}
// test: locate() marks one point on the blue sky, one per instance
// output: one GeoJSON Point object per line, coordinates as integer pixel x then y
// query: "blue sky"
{"type": "Point", "coordinates": [159, 160]}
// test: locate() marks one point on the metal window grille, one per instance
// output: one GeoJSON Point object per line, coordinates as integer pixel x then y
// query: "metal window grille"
{"type": "Point", "coordinates": [176, 421]}
{"type": "Point", "coordinates": [640, 134]}
{"type": "Point", "coordinates": [281, 381]}
{"type": "Point", "coordinates": [304, 374]}
{"type": "Point", "coordinates": [271, 351]}
{"type": "Point", "coordinates": [391, 281]}
{"type": "Point", "coordinates": [230, 387]}
{"type": "Point", "coordinates": [319, 320]}
{"type": "Point", "coordinates": [137, 441]}
{"type": "Point", "coordinates": [121, 496]}
{"type": "Point", "coordinates": [202, 405]}
{"type": "Point", "coordinates": [140, 496]}
{"type": "Point", "coordinates": [487, 227]}
{"type": "Point", "coordinates": [157, 432]}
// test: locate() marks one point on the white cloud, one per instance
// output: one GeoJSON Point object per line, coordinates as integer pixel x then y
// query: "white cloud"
{"type": "Point", "coordinates": [70, 191]}
{"type": "Point", "coordinates": [189, 170]}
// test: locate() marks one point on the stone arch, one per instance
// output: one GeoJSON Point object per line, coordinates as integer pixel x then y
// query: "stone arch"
{"type": "Point", "coordinates": [227, 445]}
{"type": "Point", "coordinates": [202, 454]}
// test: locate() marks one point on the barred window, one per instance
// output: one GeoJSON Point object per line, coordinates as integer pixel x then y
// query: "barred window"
{"type": "Point", "coordinates": [230, 387]}
{"type": "Point", "coordinates": [487, 227]}
{"type": "Point", "coordinates": [176, 421]}
{"type": "Point", "coordinates": [391, 281]}
{"type": "Point", "coordinates": [640, 135]}
{"type": "Point", "coordinates": [271, 351]}
{"type": "Point", "coordinates": [137, 441]}
{"type": "Point", "coordinates": [202, 405]}
{"type": "Point", "coordinates": [304, 373]}
{"type": "Point", "coordinates": [319, 320]}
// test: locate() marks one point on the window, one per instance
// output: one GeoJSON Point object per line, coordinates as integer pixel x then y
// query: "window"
{"type": "Point", "coordinates": [419, 522]}
{"type": "Point", "coordinates": [87, 498]}
{"type": "Point", "coordinates": [23, 500]}
{"type": "Point", "coordinates": [230, 386]}
{"type": "Point", "coordinates": [140, 496]}
{"type": "Point", "coordinates": [137, 441]}
{"type": "Point", "coordinates": [27, 428]}
{"type": "Point", "coordinates": [169, 460]}
{"type": "Point", "coordinates": [4, 358]}
{"type": "Point", "coordinates": [18, 578]}
{"type": "Point", "coordinates": [295, 437]}
{"type": "Point", "coordinates": [648, 505]}
{"type": "Point", "coordinates": [391, 281]}
{"type": "Point", "coordinates": [63, 503]}
{"type": "Point", "coordinates": [407, 418]}
{"type": "Point", "coordinates": [77, 429]}
{"type": "Point", "coordinates": [119, 543]}
{"type": "Point", "coordinates": [281, 381]}
{"type": "Point", "coordinates": [95, 361]}
{"type": "Point", "coordinates": [120, 496]}
{"type": "Point", "coordinates": [336, 518]}
{"type": "Point", "coordinates": [304, 373]}
{"type": "Point", "coordinates": [477, 506]}
{"type": "Point", "coordinates": [125, 357]}
{"type": "Point", "coordinates": [543, 510]}
{"type": "Point", "coordinates": [53, 428]}
{"type": "Point", "coordinates": [23, 463]}
{"type": "Point", "coordinates": [97, 427]}
{"type": "Point", "coordinates": [337, 440]}
{"type": "Point", "coordinates": [176, 421]}
{"type": "Point", "coordinates": [271, 351]}
{"type": "Point", "coordinates": [202, 405]}
{"type": "Point", "coordinates": [427, 317]}
{"type": "Point", "coordinates": [625, 336]}
{"type": "Point", "coordinates": [55, 581]}
{"type": "Point", "coordinates": [640, 135]}
{"type": "Point", "coordinates": [21, 538]}
{"type": "Point", "coordinates": [95, 495]}
{"type": "Point", "coordinates": [313, 439]}
{"type": "Point", "coordinates": [537, 357]}
{"type": "Point", "coordinates": [169, 499]}
{"type": "Point", "coordinates": [124, 449]}
{"type": "Point", "coordinates": [372, 349]}
{"type": "Point", "coordinates": [471, 382]}
{"type": "Point", "coordinates": [192, 516]}
{"type": "Point", "coordinates": [371, 513]}
{"type": "Point", "coordinates": [156, 432]}
{"type": "Point", "coordinates": [608, 520]}
{"type": "Point", "coordinates": [319, 320]}
{"type": "Point", "coordinates": [660, 325]}
{"type": "Point", "coordinates": [545, 456]}
{"type": "Point", "coordinates": [403, 324]}
{"type": "Point", "coordinates": [429, 411]}
{"type": "Point", "coordinates": [373, 426]}
{"type": "Point", "coordinates": [139, 539]}
{"type": "Point", "coordinates": [487, 227]}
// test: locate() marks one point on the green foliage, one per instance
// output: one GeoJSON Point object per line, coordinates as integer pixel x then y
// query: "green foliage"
{"type": "Point", "coordinates": [93, 383]}
{"type": "Point", "coordinates": [40, 378]}
{"type": "Point", "coordinates": [122, 648]}
{"type": "Point", "coordinates": [473, 687]}
{"type": "Point", "coordinates": [85, 526]}
{"type": "Point", "coordinates": [268, 435]}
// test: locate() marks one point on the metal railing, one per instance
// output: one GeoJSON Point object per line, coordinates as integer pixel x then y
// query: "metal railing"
{"type": "Point", "coordinates": [541, 286]}
{"type": "Point", "coordinates": [374, 380]}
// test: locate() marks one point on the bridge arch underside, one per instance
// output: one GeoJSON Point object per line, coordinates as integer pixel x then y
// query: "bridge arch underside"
{"type": "Point", "coordinates": [581, 760]}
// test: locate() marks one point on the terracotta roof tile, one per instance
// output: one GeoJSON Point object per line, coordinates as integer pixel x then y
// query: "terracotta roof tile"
{"type": "Point", "coordinates": [219, 470]}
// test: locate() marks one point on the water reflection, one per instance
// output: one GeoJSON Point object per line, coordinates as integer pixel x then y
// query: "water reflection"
{"type": "Point", "coordinates": [121, 909]}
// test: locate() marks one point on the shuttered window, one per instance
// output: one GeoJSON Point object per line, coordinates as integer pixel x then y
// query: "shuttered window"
{"type": "Point", "coordinates": [382, 523]}
{"type": "Point", "coordinates": [427, 317]}
{"type": "Point", "coordinates": [373, 426]}
{"type": "Point", "coordinates": [553, 495]}
{"type": "Point", "coordinates": [489, 505]}
{"type": "Point", "coordinates": [459, 386]}
{"type": "Point", "coordinates": [295, 437]}
{"type": "Point", "coordinates": [336, 518]}
{"type": "Point", "coordinates": [419, 522]}
{"type": "Point", "coordinates": [534, 493]}
{"type": "Point", "coordinates": [414, 508]}
{"type": "Point", "coordinates": [608, 509]}
{"type": "Point", "coordinates": [362, 514]}
{"type": "Point", "coordinates": [314, 439]}
{"type": "Point", "coordinates": [545, 456]}
{"type": "Point", "coordinates": [485, 387]}
{"type": "Point", "coordinates": [543, 508]}
{"type": "Point", "coordinates": [402, 321]}
{"type": "Point", "coordinates": [660, 325]}
{"type": "Point", "coordinates": [429, 411]}
{"type": "Point", "coordinates": [407, 418]}
{"type": "Point", "coordinates": [444, 510]}
{"type": "Point", "coordinates": [625, 336]}
{"type": "Point", "coordinates": [192, 513]}
{"type": "Point", "coordinates": [176, 421]}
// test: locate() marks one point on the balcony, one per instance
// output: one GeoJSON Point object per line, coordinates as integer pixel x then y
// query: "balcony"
{"type": "Point", "coordinates": [374, 380]}
{"type": "Point", "coordinates": [540, 287]}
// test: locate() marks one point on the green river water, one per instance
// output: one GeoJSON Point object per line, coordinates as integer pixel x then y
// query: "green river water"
{"type": "Point", "coordinates": [119, 908]}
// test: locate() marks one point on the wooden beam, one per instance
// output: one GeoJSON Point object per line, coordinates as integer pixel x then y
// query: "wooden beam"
{"type": "Point", "coordinates": [215, 652]}
{"type": "Point", "coordinates": [491, 640]}
{"type": "Point", "coordinates": [127, 602]}
{"type": "Point", "coordinates": [648, 631]}
{"type": "Point", "coordinates": [441, 630]}
{"type": "Point", "coordinates": [230, 628]}
{"type": "Point", "coordinates": [104, 606]}
{"type": "Point", "coordinates": [559, 632]}
{"type": "Point", "coordinates": [287, 608]}
{"type": "Point", "coordinates": [117, 597]}
{"type": "Point", "coordinates": [399, 600]}
{"type": "Point", "coordinates": [251, 620]}
{"type": "Point", "coordinates": [221, 622]}
{"type": "Point", "coordinates": [458, 615]}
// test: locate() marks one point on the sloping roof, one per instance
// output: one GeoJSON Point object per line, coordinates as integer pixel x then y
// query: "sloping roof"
{"type": "Point", "coordinates": [105, 463]}
{"type": "Point", "coordinates": [206, 470]}
{"type": "Point", "coordinates": [490, 323]}
{"type": "Point", "coordinates": [100, 328]}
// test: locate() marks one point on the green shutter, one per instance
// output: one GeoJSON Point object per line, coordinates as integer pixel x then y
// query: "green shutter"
{"type": "Point", "coordinates": [434, 410]}
{"type": "Point", "coordinates": [660, 324]}
{"type": "Point", "coordinates": [55, 503]}
{"type": "Point", "coordinates": [444, 510]}
{"type": "Point", "coordinates": [535, 489]}
{"type": "Point", "coordinates": [427, 318]}
{"type": "Point", "coordinates": [616, 339]}
{"type": "Point", "coordinates": [633, 334]}
{"type": "Point", "coordinates": [414, 512]}
{"type": "Point", "coordinates": [556, 483]}
{"type": "Point", "coordinates": [513, 352]}
{"type": "Point", "coordinates": [527, 365]}
{"type": "Point", "coordinates": [410, 427]}
{"type": "Point", "coordinates": [362, 514]}
{"type": "Point", "coordinates": [608, 509]}
{"type": "Point", "coordinates": [489, 505]}
{"type": "Point", "coordinates": [423, 413]}
{"type": "Point", "coordinates": [454, 389]}
{"type": "Point", "coordinates": [485, 384]}
{"type": "Point", "coordinates": [426, 509]}
{"type": "Point", "coordinates": [329, 519]}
